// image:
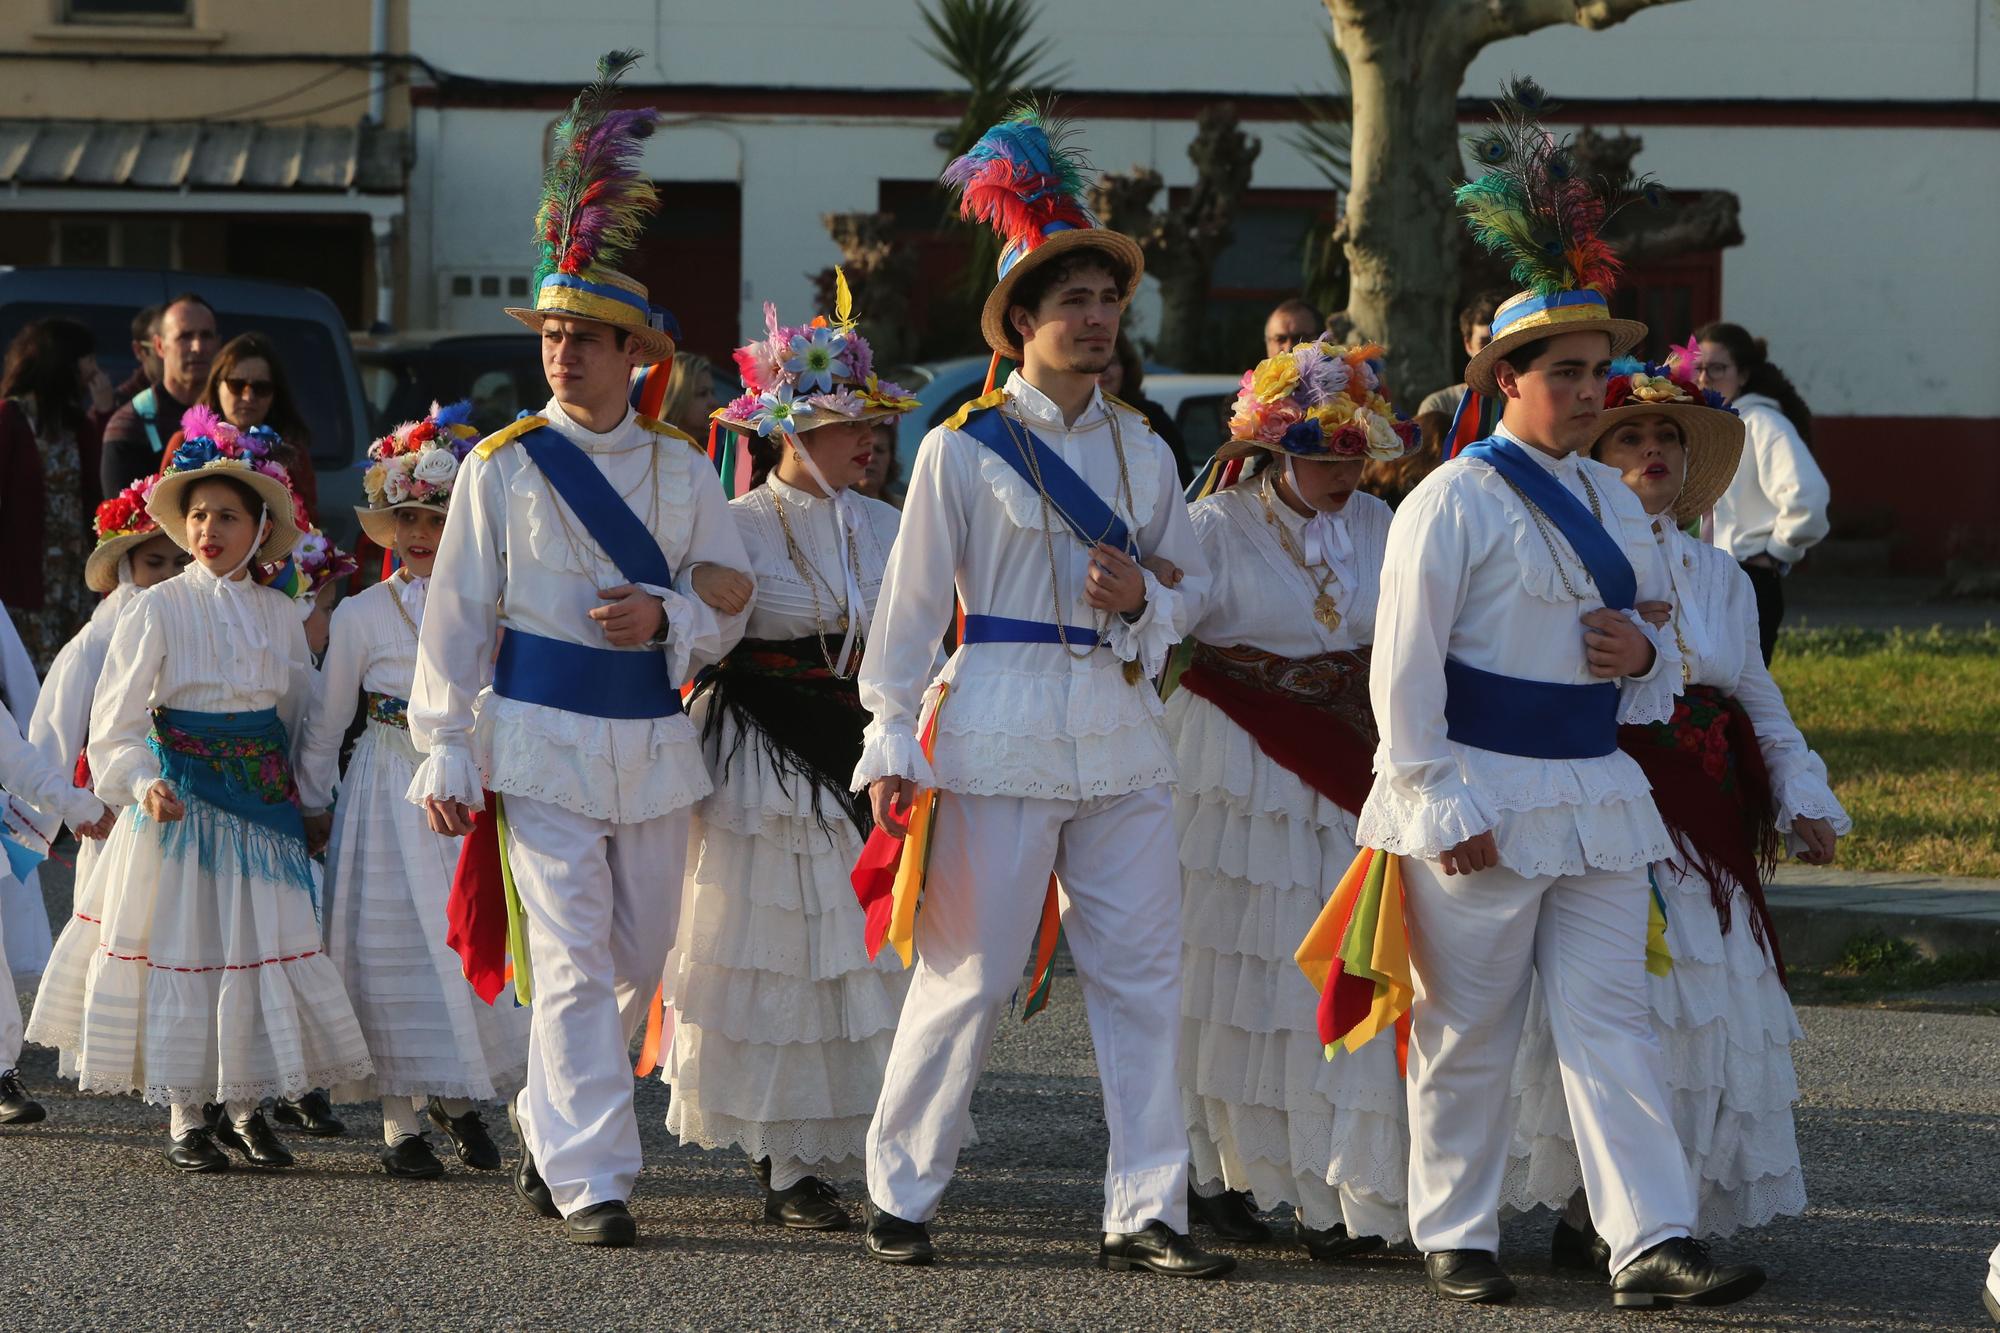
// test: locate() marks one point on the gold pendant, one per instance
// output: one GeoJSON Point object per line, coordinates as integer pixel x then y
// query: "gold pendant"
{"type": "Point", "coordinates": [1326, 611]}
{"type": "Point", "coordinates": [1133, 671]}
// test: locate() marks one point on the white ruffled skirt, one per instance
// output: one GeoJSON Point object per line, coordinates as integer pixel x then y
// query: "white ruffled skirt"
{"type": "Point", "coordinates": [782, 1025]}
{"type": "Point", "coordinates": [1726, 1025]}
{"type": "Point", "coordinates": [187, 984]}
{"type": "Point", "coordinates": [1266, 1111]}
{"type": "Point", "coordinates": [388, 878]}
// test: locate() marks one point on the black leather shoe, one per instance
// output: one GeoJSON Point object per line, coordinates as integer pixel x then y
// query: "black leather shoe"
{"type": "Point", "coordinates": [1160, 1249]}
{"type": "Point", "coordinates": [894, 1240]}
{"type": "Point", "coordinates": [810, 1205]}
{"type": "Point", "coordinates": [256, 1141]}
{"type": "Point", "coordinates": [1582, 1251]}
{"type": "Point", "coordinates": [1229, 1216]}
{"type": "Point", "coordinates": [16, 1106]}
{"type": "Point", "coordinates": [609, 1224]}
{"type": "Point", "coordinates": [527, 1180]}
{"type": "Point", "coordinates": [311, 1115]}
{"type": "Point", "coordinates": [468, 1137]}
{"type": "Point", "coordinates": [195, 1153]}
{"type": "Point", "coordinates": [1473, 1276]}
{"type": "Point", "coordinates": [410, 1158]}
{"type": "Point", "coordinates": [1679, 1272]}
{"type": "Point", "coordinates": [1334, 1244]}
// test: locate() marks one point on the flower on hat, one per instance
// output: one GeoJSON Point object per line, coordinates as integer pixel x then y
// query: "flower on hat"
{"type": "Point", "coordinates": [420, 461]}
{"type": "Point", "coordinates": [842, 402]}
{"type": "Point", "coordinates": [1633, 381]}
{"type": "Point", "coordinates": [1320, 400]}
{"type": "Point", "coordinates": [1275, 378]}
{"type": "Point", "coordinates": [124, 514]}
{"type": "Point", "coordinates": [776, 411]}
{"type": "Point", "coordinates": [436, 467]}
{"type": "Point", "coordinates": [396, 486]}
{"type": "Point", "coordinates": [817, 358]}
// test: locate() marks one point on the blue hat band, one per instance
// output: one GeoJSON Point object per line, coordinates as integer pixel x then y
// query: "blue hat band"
{"type": "Point", "coordinates": [1542, 305]}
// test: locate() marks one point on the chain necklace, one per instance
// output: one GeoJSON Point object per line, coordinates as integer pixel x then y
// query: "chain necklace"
{"type": "Point", "coordinates": [395, 595]}
{"type": "Point", "coordinates": [810, 575]}
{"type": "Point", "coordinates": [1325, 610]}
{"type": "Point", "coordinates": [1548, 540]}
{"type": "Point", "coordinates": [581, 548]}
{"type": "Point", "coordinates": [1023, 440]}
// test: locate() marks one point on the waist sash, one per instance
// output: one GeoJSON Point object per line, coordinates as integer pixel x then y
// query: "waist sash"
{"type": "Point", "coordinates": [1081, 508]}
{"type": "Point", "coordinates": [1310, 715]}
{"type": "Point", "coordinates": [1594, 546]}
{"type": "Point", "coordinates": [236, 764]}
{"type": "Point", "coordinates": [576, 678]}
{"type": "Point", "coordinates": [806, 721]}
{"type": "Point", "coordinates": [1534, 718]}
{"type": "Point", "coordinates": [1006, 629]}
{"type": "Point", "coordinates": [387, 709]}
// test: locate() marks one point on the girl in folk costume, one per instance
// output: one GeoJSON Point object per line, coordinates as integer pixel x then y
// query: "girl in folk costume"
{"type": "Point", "coordinates": [204, 979]}
{"type": "Point", "coordinates": [783, 1024]}
{"type": "Point", "coordinates": [437, 1047]}
{"type": "Point", "coordinates": [1274, 738]}
{"type": "Point", "coordinates": [1733, 778]}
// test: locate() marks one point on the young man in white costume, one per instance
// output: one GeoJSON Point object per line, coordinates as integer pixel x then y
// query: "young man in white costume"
{"type": "Point", "coordinates": [1035, 505]}
{"type": "Point", "coordinates": [581, 532]}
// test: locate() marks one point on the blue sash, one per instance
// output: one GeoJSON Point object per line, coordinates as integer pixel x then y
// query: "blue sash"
{"type": "Point", "coordinates": [1082, 508]}
{"type": "Point", "coordinates": [598, 506]}
{"type": "Point", "coordinates": [1006, 629]}
{"type": "Point", "coordinates": [1594, 546]}
{"type": "Point", "coordinates": [577, 678]}
{"type": "Point", "coordinates": [1535, 718]}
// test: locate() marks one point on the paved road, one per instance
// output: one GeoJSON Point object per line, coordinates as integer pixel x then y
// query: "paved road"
{"type": "Point", "coordinates": [1901, 1128]}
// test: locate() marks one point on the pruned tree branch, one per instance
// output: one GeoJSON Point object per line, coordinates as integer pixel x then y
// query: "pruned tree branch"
{"type": "Point", "coordinates": [1488, 21]}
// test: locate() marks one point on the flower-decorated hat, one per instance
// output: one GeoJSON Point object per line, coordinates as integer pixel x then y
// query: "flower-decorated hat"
{"type": "Point", "coordinates": [211, 447]}
{"type": "Point", "coordinates": [122, 524]}
{"type": "Point", "coordinates": [1024, 179]}
{"type": "Point", "coordinates": [313, 564]}
{"type": "Point", "coordinates": [1319, 401]}
{"type": "Point", "coordinates": [815, 375]}
{"type": "Point", "coordinates": [415, 467]}
{"type": "Point", "coordinates": [594, 208]}
{"type": "Point", "coordinates": [1533, 210]}
{"type": "Point", "coordinates": [1711, 431]}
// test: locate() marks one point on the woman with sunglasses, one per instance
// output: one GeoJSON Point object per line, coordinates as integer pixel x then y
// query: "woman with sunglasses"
{"type": "Point", "coordinates": [247, 387]}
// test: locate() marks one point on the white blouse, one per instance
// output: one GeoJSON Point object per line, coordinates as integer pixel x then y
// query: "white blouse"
{"type": "Point", "coordinates": [1722, 597]}
{"type": "Point", "coordinates": [514, 555]}
{"type": "Point", "coordinates": [200, 643]}
{"type": "Point", "coordinates": [1259, 597]}
{"type": "Point", "coordinates": [62, 714]}
{"type": "Point", "coordinates": [1776, 503]}
{"type": "Point", "coordinates": [369, 647]}
{"type": "Point", "coordinates": [784, 608]}
{"type": "Point", "coordinates": [1027, 719]}
{"type": "Point", "coordinates": [1469, 576]}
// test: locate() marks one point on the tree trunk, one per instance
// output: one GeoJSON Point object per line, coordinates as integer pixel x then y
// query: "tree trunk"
{"type": "Point", "coordinates": [1402, 241]}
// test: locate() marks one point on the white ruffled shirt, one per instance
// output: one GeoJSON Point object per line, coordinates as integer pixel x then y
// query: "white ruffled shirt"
{"type": "Point", "coordinates": [1260, 598]}
{"type": "Point", "coordinates": [182, 646]}
{"type": "Point", "coordinates": [784, 608]}
{"type": "Point", "coordinates": [61, 721]}
{"type": "Point", "coordinates": [1719, 592]}
{"type": "Point", "coordinates": [1026, 719]}
{"type": "Point", "coordinates": [620, 769]}
{"type": "Point", "coordinates": [1467, 575]}
{"type": "Point", "coordinates": [369, 647]}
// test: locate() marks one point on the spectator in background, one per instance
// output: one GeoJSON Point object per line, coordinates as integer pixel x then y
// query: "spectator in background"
{"type": "Point", "coordinates": [48, 481]}
{"type": "Point", "coordinates": [1775, 509]}
{"type": "Point", "coordinates": [1292, 322]}
{"type": "Point", "coordinates": [145, 328]}
{"type": "Point", "coordinates": [690, 394]}
{"type": "Point", "coordinates": [1125, 380]}
{"type": "Point", "coordinates": [248, 388]}
{"type": "Point", "coordinates": [1393, 481]}
{"type": "Point", "coordinates": [136, 436]}
{"type": "Point", "coordinates": [884, 478]}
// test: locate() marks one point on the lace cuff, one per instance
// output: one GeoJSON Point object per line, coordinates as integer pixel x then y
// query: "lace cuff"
{"type": "Point", "coordinates": [679, 628]}
{"type": "Point", "coordinates": [1650, 698]}
{"type": "Point", "coordinates": [448, 775]}
{"type": "Point", "coordinates": [1153, 635]}
{"type": "Point", "coordinates": [1424, 826]}
{"type": "Point", "coordinates": [1801, 792]}
{"type": "Point", "coordinates": [891, 754]}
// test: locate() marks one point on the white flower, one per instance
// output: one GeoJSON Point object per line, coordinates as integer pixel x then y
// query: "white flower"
{"type": "Point", "coordinates": [436, 466]}
{"type": "Point", "coordinates": [396, 486]}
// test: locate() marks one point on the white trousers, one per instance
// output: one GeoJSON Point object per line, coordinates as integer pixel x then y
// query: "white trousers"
{"type": "Point", "coordinates": [601, 901]}
{"type": "Point", "coordinates": [990, 863]}
{"type": "Point", "coordinates": [1475, 941]}
{"type": "Point", "coordinates": [10, 1003]}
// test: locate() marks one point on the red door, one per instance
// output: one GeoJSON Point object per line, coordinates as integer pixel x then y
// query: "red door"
{"type": "Point", "coordinates": [691, 260]}
{"type": "Point", "coordinates": [1672, 297]}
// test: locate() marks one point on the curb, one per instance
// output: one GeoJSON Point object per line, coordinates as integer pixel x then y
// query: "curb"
{"type": "Point", "coordinates": [1818, 911]}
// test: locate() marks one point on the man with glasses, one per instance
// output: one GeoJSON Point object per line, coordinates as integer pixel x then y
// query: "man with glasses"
{"type": "Point", "coordinates": [1291, 323]}
{"type": "Point", "coordinates": [137, 433]}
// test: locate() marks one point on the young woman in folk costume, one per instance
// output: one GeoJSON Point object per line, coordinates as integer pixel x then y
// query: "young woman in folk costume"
{"type": "Point", "coordinates": [204, 979]}
{"type": "Point", "coordinates": [1274, 739]}
{"type": "Point", "coordinates": [782, 1024]}
{"type": "Point", "coordinates": [1733, 778]}
{"type": "Point", "coordinates": [437, 1047]}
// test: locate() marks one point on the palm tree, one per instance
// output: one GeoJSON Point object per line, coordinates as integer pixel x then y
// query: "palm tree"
{"type": "Point", "coordinates": [988, 45]}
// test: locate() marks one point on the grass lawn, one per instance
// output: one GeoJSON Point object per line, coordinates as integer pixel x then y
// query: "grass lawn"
{"type": "Point", "coordinates": [1909, 726]}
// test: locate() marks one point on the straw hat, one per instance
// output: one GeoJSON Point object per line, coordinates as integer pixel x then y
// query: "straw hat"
{"type": "Point", "coordinates": [213, 448]}
{"type": "Point", "coordinates": [821, 374]}
{"type": "Point", "coordinates": [122, 525]}
{"type": "Point", "coordinates": [415, 466]}
{"type": "Point", "coordinates": [1024, 180]}
{"type": "Point", "coordinates": [1711, 433]}
{"type": "Point", "coordinates": [1318, 401]}
{"type": "Point", "coordinates": [1526, 316]}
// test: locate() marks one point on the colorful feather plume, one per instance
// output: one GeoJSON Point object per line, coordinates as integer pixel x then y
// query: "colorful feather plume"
{"type": "Point", "coordinates": [1023, 175]}
{"type": "Point", "coordinates": [594, 201]}
{"type": "Point", "coordinates": [1531, 207]}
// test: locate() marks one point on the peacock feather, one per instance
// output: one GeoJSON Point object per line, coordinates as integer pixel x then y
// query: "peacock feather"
{"type": "Point", "coordinates": [1022, 175]}
{"type": "Point", "coordinates": [594, 201]}
{"type": "Point", "coordinates": [1531, 206]}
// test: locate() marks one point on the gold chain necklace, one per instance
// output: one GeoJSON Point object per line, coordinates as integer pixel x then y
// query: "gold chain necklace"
{"type": "Point", "coordinates": [1325, 609]}
{"type": "Point", "coordinates": [581, 548]}
{"type": "Point", "coordinates": [395, 595]}
{"type": "Point", "coordinates": [1541, 521]}
{"type": "Point", "coordinates": [809, 573]}
{"type": "Point", "coordinates": [1023, 440]}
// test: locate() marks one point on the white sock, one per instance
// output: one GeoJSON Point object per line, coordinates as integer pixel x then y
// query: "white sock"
{"type": "Point", "coordinates": [241, 1112]}
{"type": "Point", "coordinates": [787, 1172]}
{"type": "Point", "coordinates": [454, 1106]}
{"type": "Point", "coordinates": [184, 1116]}
{"type": "Point", "coordinates": [402, 1118]}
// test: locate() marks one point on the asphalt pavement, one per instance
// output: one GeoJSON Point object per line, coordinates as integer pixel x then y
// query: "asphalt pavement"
{"type": "Point", "coordinates": [1900, 1127]}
